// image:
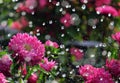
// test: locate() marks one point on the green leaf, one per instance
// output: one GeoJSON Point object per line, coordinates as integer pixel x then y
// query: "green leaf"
{"type": "Point", "coordinates": [2, 53]}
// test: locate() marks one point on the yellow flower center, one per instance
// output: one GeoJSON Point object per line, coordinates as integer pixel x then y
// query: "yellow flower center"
{"type": "Point", "coordinates": [27, 47]}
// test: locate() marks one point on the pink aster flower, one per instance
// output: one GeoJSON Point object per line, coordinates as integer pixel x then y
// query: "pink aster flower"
{"type": "Point", "coordinates": [113, 67]}
{"type": "Point", "coordinates": [48, 66]}
{"type": "Point", "coordinates": [107, 10]}
{"type": "Point", "coordinates": [20, 24]}
{"type": "Point", "coordinates": [86, 71]}
{"type": "Point", "coordinates": [116, 37]}
{"type": "Point", "coordinates": [50, 43]}
{"type": "Point", "coordinates": [24, 22]}
{"type": "Point", "coordinates": [31, 4]}
{"type": "Point", "coordinates": [28, 48]}
{"type": "Point", "coordinates": [22, 8]}
{"type": "Point", "coordinates": [95, 75]}
{"type": "Point", "coordinates": [102, 2]}
{"type": "Point", "coordinates": [2, 78]}
{"type": "Point", "coordinates": [66, 20]}
{"type": "Point", "coordinates": [16, 25]}
{"type": "Point", "coordinates": [100, 76]}
{"type": "Point", "coordinates": [27, 6]}
{"type": "Point", "coordinates": [33, 78]}
{"type": "Point", "coordinates": [77, 53]}
{"type": "Point", "coordinates": [43, 3]}
{"type": "Point", "coordinates": [5, 64]}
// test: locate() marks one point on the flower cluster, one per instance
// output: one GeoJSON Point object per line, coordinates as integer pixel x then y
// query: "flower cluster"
{"type": "Point", "coordinates": [66, 20]}
{"type": "Point", "coordinates": [2, 78]}
{"type": "Point", "coordinates": [46, 64]}
{"type": "Point", "coordinates": [97, 2]}
{"type": "Point", "coordinates": [33, 78]}
{"type": "Point", "coordinates": [107, 10]}
{"type": "Point", "coordinates": [19, 24]}
{"type": "Point", "coordinates": [95, 75]}
{"type": "Point", "coordinates": [5, 64]}
{"type": "Point", "coordinates": [114, 67]}
{"type": "Point", "coordinates": [52, 44]}
{"type": "Point", "coordinates": [28, 51]}
{"type": "Point", "coordinates": [77, 53]}
{"type": "Point", "coordinates": [116, 37]}
{"type": "Point", "coordinates": [27, 48]}
{"type": "Point", "coordinates": [30, 6]}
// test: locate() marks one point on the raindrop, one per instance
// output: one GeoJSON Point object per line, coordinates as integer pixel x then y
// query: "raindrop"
{"type": "Point", "coordinates": [65, 21]}
{"type": "Point", "coordinates": [65, 4]}
{"type": "Point", "coordinates": [85, 1]}
{"type": "Point", "coordinates": [48, 52]}
{"type": "Point", "coordinates": [30, 23]}
{"type": "Point", "coordinates": [60, 69]}
{"type": "Point", "coordinates": [109, 14]}
{"type": "Point", "coordinates": [38, 34]}
{"type": "Point", "coordinates": [4, 23]}
{"type": "Point", "coordinates": [62, 35]}
{"type": "Point", "coordinates": [43, 24]}
{"type": "Point", "coordinates": [14, 0]}
{"type": "Point", "coordinates": [116, 82]}
{"type": "Point", "coordinates": [78, 29]}
{"type": "Point", "coordinates": [98, 12]}
{"type": "Point", "coordinates": [77, 66]}
{"type": "Point", "coordinates": [75, 20]}
{"type": "Point", "coordinates": [101, 20]}
{"type": "Point", "coordinates": [31, 32]}
{"type": "Point", "coordinates": [104, 45]}
{"type": "Point", "coordinates": [62, 46]}
{"type": "Point", "coordinates": [67, 49]}
{"type": "Point", "coordinates": [33, 13]}
{"type": "Point", "coordinates": [53, 55]}
{"type": "Point", "coordinates": [11, 14]}
{"type": "Point", "coordinates": [58, 3]}
{"type": "Point", "coordinates": [92, 55]}
{"type": "Point", "coordinates": [56, 67]}
{"type": "Point", "coordinates": [104, 52]}
{"type": "Point", "coordinates": [50, 22]}
{"type": "Point", "coordinates": [50, 0]}
{"type": "Point", "coordinates": [101, 79]}
{"type": "Point", "coordinates": [109, 54]}
{"type": "Point", "coordinates": [15, 7]}
{"type": "Point", "coordinates": [63, 52]}
{"type": "Point", "coordinates": [94, 27]}
{"type": "Point", "coordinates": [31, 7]}
{"type": "Point", "coordinates": [27, 59]}
{"type": "Point", "coordinates": [57, 73]}
{"type": "Point", "coordinates": [23, 13]}
{"type": "Point", "coordinates": [61, 9]}
{"type": "Point", "coordinates": [83, 7]}
{"type": "Point", "coordinates": [111, 25]}
{"type": "Point", "coordinates": [63, 12]}
{"type": "Point", "coordinates": [38, 30]}
{"type": "Point", "coordinates": [85, 74]}
{"type": "Point", "coordinates": [73, 9]}
{"type": "Point", "coordinates": [9, 35]}
{"type": "Point", "coordinates": [64, 75]}
{"type": "Point", "coordinates": [47, 37]}
{"type": "Point", "coordinates": [16, 54]}
{"type": "Point", "coordinates": [62, 27]}
{"type": "Point", "coordinates": [71, 72]}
